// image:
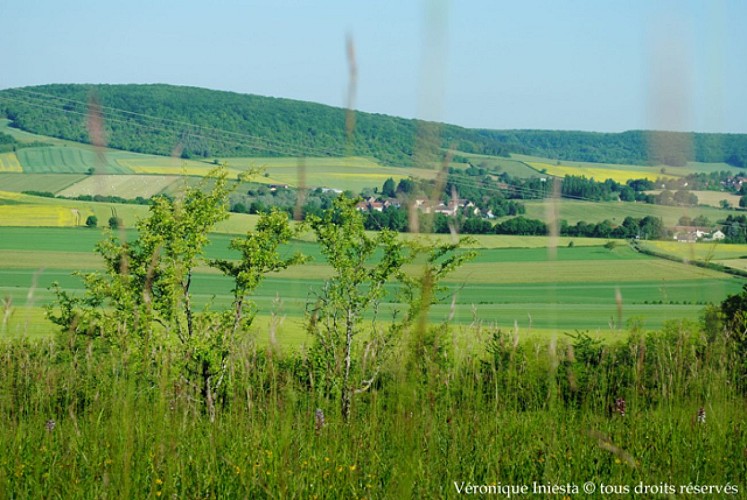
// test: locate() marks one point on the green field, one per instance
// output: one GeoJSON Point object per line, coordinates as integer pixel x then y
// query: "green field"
{"type": "Point", "coordinates": [340, 173]}
{"type": "Point", "coordinates": [52, 183]}
{"type": "Point", "coordinates": [59, 160]}
{"type": "Point", "coordinates": [534, 282]}
{"type": "Point", "coordinates": [591, 211]}
{"type": "Point", "coordinates": [571, 288]}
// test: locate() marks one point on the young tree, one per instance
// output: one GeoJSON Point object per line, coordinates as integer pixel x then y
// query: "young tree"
{"type": "Point", "coordinates": [362, 265]}
{"type": "Point", "coordinates": [142, 302]}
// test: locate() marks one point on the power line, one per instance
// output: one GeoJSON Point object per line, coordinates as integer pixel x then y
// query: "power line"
{"type": "Point", "coordinates": [198, 131]}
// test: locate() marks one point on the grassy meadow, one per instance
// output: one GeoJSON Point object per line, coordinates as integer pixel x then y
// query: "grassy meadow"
{"type": "Point", "coordinates": [495, 413]}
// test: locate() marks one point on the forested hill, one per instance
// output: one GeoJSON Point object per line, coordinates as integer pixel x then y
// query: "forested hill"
{"type": "Point", "coordinates": [162, 119]}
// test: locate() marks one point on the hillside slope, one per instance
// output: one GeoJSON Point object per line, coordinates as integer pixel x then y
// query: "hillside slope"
{"type": "Point", "coordinates": [162, 119]}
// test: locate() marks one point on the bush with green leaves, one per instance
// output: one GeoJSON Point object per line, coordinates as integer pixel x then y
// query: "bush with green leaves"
{"type": "Point", "coordinates": [362, 265]}
{"type": "Point", "coordinates": [142, 303]}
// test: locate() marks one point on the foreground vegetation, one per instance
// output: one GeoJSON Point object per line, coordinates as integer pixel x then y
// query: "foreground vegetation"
{"type": "Point", "coordinates": [81, 422]}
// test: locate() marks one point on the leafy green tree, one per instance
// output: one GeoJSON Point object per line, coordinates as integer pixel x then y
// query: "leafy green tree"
{"type": "Point", "coordinates": [115, 222]}
{"type": "Point", "coordinates": [142, 301]}
{"type": "Point", "coordinates": [92, 221]}
{"type": "Point", "coordinates": [389, 189]}
{"type": "Point", "coordinates": [702, 221]}
{"type": "Point", "coordinates": [652, 228]}
{"type": "Point", "coordinates": [362, 265]}
{"type": "Point", "coordinates": [406, 186]}
{"type": "Point", "coordinates": [743, 201]}
{"type": "Point", "coordinates": [260, 255]}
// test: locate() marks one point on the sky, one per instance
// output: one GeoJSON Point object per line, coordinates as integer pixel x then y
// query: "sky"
{"type": "Point", "coordinates": [605, 66]}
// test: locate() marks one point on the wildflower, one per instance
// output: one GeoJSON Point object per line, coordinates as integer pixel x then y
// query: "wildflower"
{"type": "Point", "coordinates": [352, 468]}
{"type": "Point", "coordinates": [620, 406]}
{"type": "Point", "coordinates": [237, 469]}
{"type": "Point", "coordinates": [50, 425]}
{"type": "Point", "coordinates": [159, 481]}
{"type": "Point", "coordinates": [701, 415]}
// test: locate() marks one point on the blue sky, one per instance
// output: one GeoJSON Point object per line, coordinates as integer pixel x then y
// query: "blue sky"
{"type": "Point", "coordinates": [574, 65]}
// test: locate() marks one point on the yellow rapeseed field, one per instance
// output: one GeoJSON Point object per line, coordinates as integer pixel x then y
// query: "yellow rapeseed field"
{"type": "Point", "coordinates": [39, 215]}
{"type": "Point", "coordinates": [599, 173]}
{"type": "Point", "coordinates": [10, 195]}
{"type": "Point", "coordinates": [9, 163]}
{"type": "Point", "coordinates": [194, 171]}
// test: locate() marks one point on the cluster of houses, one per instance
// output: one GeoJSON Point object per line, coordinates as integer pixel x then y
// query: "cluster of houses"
{"type": "Point", "coordinates": [425, 205]}
{"type": "Point", "coordinates": [683, 234]}
{"type": "Point", "coordinates": [691, 234]}
{"type": "Point", "coordinates": [734, 183]}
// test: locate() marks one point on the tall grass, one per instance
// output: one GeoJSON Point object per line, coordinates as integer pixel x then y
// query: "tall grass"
{"type": "Point", "coordinates": [84, 423]}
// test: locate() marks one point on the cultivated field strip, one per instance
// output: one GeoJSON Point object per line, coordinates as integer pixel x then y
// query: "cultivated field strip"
{"type": "Point", "coordinates": [38, 215]}
{"type": "Point", "coordinates": [52, 183]}
{"type": "Point", "coordinates": [125, 186]}
{"type": "Point", "coordinates": [67, 160]}
{"type": "Point", "coordinates": [600, 172]}
{"type": "Point", "coordinates": [9, 163]}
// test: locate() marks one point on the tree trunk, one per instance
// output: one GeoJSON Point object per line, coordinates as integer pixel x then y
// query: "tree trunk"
{"type": "Point", "coordinates": [346, 392]}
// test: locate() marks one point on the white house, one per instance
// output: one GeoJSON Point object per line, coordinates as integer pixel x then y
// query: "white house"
{"type": "Point", "coordinates": [717, 236]}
